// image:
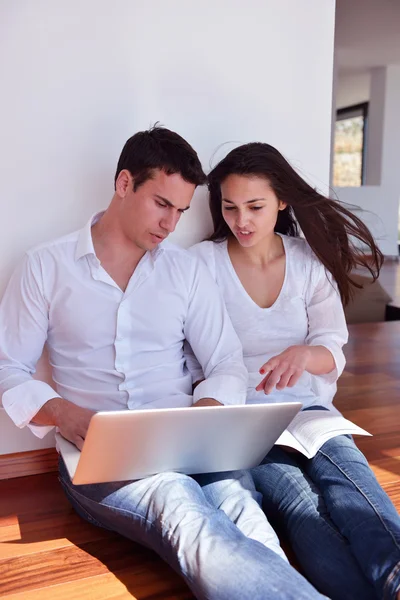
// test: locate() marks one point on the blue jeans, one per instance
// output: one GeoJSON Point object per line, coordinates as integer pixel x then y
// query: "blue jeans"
{"type": "Point", "coordinates": [175, 516]}
{"type": "Point", "coordinates": [342, 526]}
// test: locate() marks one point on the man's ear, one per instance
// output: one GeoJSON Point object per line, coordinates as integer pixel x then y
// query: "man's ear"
{"type": "Point", "coordinates": [124, 183]}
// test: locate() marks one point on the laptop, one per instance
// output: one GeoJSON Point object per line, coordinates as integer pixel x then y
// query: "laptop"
{"type": "Point", "coordinates": [133, 444]}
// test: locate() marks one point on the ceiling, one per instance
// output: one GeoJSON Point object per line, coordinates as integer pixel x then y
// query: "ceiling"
{"type": "Point", "coordinates": [367, 34]}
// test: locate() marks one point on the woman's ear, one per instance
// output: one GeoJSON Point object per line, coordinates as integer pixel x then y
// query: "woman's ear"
{"type": "Point", "coordinates": [282, 205]}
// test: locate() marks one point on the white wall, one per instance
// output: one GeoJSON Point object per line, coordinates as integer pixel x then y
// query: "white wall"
{"type": "Point", "coordinates": [367, 34]}
{"type": "Point", "coordinates": [379, 199]}
{"type": "Point", "coordinates": [80, 77]}
{"type": "Point", "coordinates": [369, 202]}
{"type": "Point", "coordinates": [353, 88]}
{"type": "Point", "coordinates": [375, 128]}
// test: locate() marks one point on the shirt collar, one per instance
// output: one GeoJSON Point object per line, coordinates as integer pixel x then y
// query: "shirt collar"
{"type": "Point", "coordinates": [85, 246]}
{"type": "Point", "coordinates": [158, 250]}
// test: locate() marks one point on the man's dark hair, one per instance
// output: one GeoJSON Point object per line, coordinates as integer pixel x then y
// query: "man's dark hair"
{"type": "Point", "coordinates": [159, 148]}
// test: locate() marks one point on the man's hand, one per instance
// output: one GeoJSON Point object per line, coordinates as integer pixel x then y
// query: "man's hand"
{"type": "Point", "coordinates": [207, 402]}
{"type": "Point", "coordinates": [72, 421]}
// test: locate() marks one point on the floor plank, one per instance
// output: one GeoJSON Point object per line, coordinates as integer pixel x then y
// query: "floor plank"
{"type": "Point", "coordinates": [120, 586]}
{"type": "Point", "coordinates": [139, 569]}
{"type": "Point", "coordinates": [105, 587]}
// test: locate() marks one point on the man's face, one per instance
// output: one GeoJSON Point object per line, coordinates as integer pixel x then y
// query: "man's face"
{"type": "Point", "coordinates": [150, 214]}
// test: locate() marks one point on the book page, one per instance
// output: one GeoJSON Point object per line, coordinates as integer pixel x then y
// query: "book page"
{"type": "Point", "coordinates": [287, 439]}
{"type": "Point", "coordinates": [312, 428]}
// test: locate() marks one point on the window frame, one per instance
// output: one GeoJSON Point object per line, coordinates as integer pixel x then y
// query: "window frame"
{"type": "Point", "coordinates": [357, 110]}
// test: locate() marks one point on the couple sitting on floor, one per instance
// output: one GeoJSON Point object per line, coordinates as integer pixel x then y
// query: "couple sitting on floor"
{"type": "Point", "coordinates": [260, 311]}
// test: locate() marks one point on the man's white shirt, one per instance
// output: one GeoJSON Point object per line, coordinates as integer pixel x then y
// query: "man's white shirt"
{"type": "Point", "coordinates": [109, 349]}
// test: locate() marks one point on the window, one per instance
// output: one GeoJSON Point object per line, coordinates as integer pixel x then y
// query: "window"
{"type": "Point", "coordinates": [350, 135]}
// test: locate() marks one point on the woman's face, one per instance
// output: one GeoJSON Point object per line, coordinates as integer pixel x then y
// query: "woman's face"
{"type": "Point", "coordinates": [250, 208]}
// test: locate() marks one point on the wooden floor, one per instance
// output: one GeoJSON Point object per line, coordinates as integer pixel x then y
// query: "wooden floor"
{"type": "Point", "coordinates": [47, 552]}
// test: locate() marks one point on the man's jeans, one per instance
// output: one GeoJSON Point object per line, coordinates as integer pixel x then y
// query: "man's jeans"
{"type": "Point", "coordinates": [342, 526]}
{"type": "Point", "coordinates": [171, 513]}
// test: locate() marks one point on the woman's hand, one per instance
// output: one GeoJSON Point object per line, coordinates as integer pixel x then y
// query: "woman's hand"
{"type": "Point", "coordinates": [285, 369]}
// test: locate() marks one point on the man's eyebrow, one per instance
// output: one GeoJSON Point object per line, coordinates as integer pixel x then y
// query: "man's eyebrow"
{"type": "Point", "coordinates": [247, 202]}
{"type": "Point", "coordinates": [168, 203]}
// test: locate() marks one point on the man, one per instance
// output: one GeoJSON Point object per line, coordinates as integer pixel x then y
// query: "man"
{"type": "Point", "coordinates": [114, 302]}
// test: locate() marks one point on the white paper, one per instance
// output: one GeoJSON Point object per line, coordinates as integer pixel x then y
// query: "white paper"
{"type": "Point", "coordinates": [310, 429]}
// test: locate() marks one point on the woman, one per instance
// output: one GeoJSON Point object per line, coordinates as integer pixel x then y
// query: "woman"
{"type": "Point", "coordinates": [284, 295]}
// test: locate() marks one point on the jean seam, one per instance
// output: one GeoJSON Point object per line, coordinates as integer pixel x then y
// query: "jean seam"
{"type": "Point", "coordinates": [332, 527]}
{"type": "Point", "coordinates": [126, 512]}
{"type": "Point", "coordinates": [364, 494]}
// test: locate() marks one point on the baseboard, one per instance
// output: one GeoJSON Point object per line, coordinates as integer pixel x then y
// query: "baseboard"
{"type": "Point", "coordinates": [21, 464]}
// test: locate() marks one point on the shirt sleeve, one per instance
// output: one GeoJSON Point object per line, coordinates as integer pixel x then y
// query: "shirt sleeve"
{"type": "Point", "coordinates": [192, 363]}
{"type": "Point", "coordinates": [204, 252]}
{"type": "Point", "coordinates": [326, 321]}
{"type": "Point", "coordinates": [23, 333]}
{"type": "Point", "coordinates": [214, 342]}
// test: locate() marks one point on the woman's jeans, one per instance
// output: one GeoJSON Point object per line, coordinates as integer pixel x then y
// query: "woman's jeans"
{"type": "Point", "coordinates": [342, 526]}
{"type": "Point", "coordinates": [211, 531]}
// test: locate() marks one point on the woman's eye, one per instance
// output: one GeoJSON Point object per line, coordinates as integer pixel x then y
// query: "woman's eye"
{"type": "Point", "coordinates": [229, 208]}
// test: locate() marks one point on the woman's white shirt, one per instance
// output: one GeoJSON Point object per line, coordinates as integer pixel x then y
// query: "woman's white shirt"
{"type": "Point", "coordinates": [308, 310]}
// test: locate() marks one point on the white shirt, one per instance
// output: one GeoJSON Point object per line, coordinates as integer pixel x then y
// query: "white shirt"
{"type": "Point", "coordinates": [109, 349]}
{"type": "Point", "coordinates": [308, 310]}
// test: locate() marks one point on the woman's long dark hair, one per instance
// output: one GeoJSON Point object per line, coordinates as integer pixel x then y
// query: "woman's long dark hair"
{"type": "Point", "coordinates": [326, 224]}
